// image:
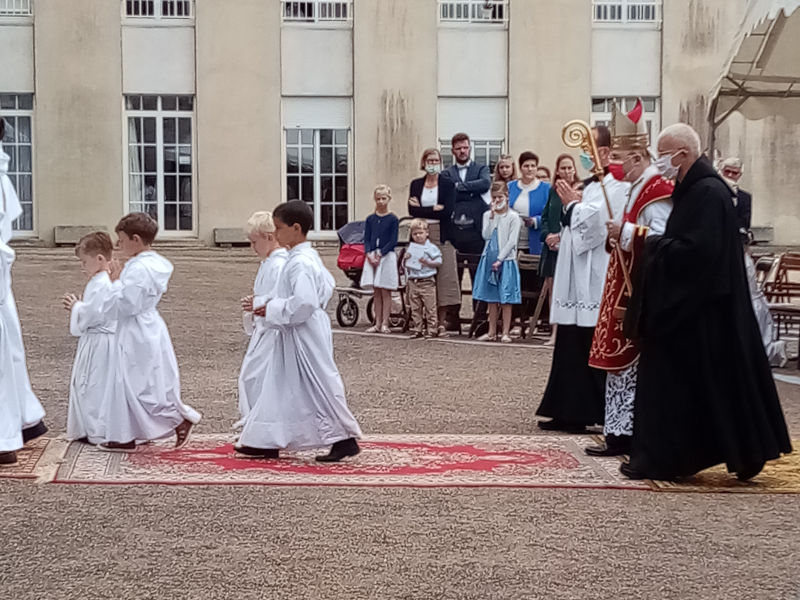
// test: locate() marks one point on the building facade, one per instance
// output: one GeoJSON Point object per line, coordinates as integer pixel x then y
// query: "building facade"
{"type": "Point", "coordinates": [203, 111]}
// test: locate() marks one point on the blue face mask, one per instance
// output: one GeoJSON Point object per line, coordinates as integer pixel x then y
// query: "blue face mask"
{"type": "Point", "coordinates": [587, 162]}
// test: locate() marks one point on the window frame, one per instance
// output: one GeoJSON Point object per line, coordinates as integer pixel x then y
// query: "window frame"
{"type": "Point", "coordinates": [625, 8]}
{"type": "Point", "coordinates": [7, 12]}
{"type": "Point", "coordinates": [159, 113]}
{"type": "Point", "coordinates": [626, 104]}
{"type": "Point", "coordinates": [158, 12]}
{"type": "Point", "coordinates": [316, 176]}
{"type": "Point", "coordinates": [14, 175]}
{"type": "Point", "coordinates": [472, 7]}
{"type": "Point", "coordinates": [484, 145]}
{"type": "Point", "coordinates": [315, 20]}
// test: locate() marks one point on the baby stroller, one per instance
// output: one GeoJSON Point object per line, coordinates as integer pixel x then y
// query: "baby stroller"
{"type": "Point", "coordinates": [351, 262]}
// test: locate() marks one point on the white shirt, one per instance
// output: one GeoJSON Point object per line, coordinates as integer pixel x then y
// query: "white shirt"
{"type": "Point", "coordinates": [430, 197]}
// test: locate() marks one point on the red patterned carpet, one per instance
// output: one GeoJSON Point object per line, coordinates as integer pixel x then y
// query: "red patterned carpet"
{"type": "Point", "coordinates": [385, 460]}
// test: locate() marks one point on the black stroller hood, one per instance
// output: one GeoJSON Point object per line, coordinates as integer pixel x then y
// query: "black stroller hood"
{"type": "Point", "coordinates": [352, 233]}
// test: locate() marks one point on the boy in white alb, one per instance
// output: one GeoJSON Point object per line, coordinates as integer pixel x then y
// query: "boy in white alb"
{"type": "Point", "coordinates": [93, 386]}
{"type": "Point", "coordinates": [302, 402]}
{"type": "Point", "coordinates": [148, 370]}
{"type": "Point", "coordinates": [261, 233]}
{"type": "Point", "coordinates": [21, 413]}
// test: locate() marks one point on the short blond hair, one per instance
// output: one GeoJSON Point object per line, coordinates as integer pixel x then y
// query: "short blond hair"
{"type": "Point", "coordinates": [260, 222]}
{"type": "Point", "coordinates": [382, 188]}
{"type": "Point", "coordinates": [418, 224]}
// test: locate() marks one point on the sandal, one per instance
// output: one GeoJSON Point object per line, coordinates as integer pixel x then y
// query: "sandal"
{"type": "Point", "coordinates": [182, 433]}
{"type": "Point", "coordinates": [373, 329]}
{"type": "Point", "coordinates": [385, 330]}
{"type": "Point", "coordinates": [487, 338]}
{"type": "Point", "coordinates": [117, 446]}
{"type": "Point", "coordinates": [505, 339]}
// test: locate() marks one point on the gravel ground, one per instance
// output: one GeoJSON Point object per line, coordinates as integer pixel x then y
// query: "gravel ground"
{"type": "Point", "coordinates": [166, 542]}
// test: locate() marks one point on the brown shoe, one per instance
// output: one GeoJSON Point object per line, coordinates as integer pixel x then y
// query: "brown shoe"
{"type": "Point", "coordinates": [182, 433]}
{"type": "Point", "coordinates": [118, 446]}
{"type": "Point", "coordinates": [8, 459]}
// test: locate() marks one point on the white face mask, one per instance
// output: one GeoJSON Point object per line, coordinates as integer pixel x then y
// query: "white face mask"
{"type": "Point", "coordinates": [433, 169]}
{"type": "Point", "coordinates": [500, 206]}
{"type": "Point", "coordinates": [665, 166]}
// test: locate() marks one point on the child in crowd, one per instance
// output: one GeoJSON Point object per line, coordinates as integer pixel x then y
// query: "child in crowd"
{"type": "Point", "coordinates": [497, 280]}
{"type": "Point", "coordinates": [421, 260]}
{"type": "Point", "coordinates": [93, 386]}
{"type": "Point", "coordinates": [151, 406]}
{"type": "Point", "coordinates": [304, 404]}
{"type": "Point", "coordinates": [505, 170]}
{"type": "Point", "coordinates": [260, 231]}
{"type": "Point", "coordinates": [380, 266]}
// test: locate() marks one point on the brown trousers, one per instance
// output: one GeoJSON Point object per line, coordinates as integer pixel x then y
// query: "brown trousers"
{"type": "Point", "coordinates": [422, 298]}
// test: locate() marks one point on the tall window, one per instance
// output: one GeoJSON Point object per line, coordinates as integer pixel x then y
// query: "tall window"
{"type": "Point", "coordinates": [15, 8]}
{"type": "Point", "coordinates": [17, 110]}
{"type": "Point", "coordinates": [473, 11]}
{"type": "Point", "coordinates": [159, 9]}
{"type": "Point", "coordinates": [311, 11]}
{"type": "Point", "coordinates": [160, 159]}
{"type": "Point", "coordinates": [601, 111]}
{"type": "Point", "coordinates": [317, 172]}
{"type": "Point", "coordinates": [484, 152]}
{"type": "Point", "coordinates": [627, 11]}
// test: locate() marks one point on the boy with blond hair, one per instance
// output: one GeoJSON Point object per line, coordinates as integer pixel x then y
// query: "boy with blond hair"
{"type": "Point", "coordinates": [151, 389]}
{"type": "Point", "coordinates": [260, 230]}
{"type": "Point", "coordinates": [93, 385]}
{"type": "Point", "coordinates": [422, 259]}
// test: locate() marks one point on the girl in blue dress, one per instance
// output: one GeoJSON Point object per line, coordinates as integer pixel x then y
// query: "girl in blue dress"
{"type": "Point", "coordinates": [497, 278]}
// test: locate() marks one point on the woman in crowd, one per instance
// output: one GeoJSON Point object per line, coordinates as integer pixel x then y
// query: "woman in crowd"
{"type": "Point", "coordinates": [550, 232]}
{"type": "Point", "coordinates": [527, 196]}
{"type": "Point", "coordinates": [543, 173]}
{"type": "Point", "coordinates": [432, 197]}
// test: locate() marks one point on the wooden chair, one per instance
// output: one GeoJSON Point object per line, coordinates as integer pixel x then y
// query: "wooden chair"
{"type": "Point", "coordinates": [783, 294]}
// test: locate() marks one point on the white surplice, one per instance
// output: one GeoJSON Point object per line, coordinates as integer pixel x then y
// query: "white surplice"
{"type": "Point", "coordinates": [254, 364]}
{"type": "Point", "coordinates": [150, 406]}
{"type": "Point", "coordinates": [93, 386]}
{"type": "Point", "coordinates": [302, 402]}
{"type": "Point", "coordinates": [19, 406]}
{"type": "Point", "coordinates": [582, 258]}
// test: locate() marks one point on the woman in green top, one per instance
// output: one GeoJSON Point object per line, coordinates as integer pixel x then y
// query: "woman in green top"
{"type": "Point", "coordinates": [551, 229]}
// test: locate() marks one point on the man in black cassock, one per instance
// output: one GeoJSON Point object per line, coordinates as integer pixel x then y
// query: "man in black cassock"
{"type": "Point", "coordinates": [705, 393]}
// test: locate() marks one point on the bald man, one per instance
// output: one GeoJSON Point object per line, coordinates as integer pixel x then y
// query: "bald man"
{"type": "Point", "coordinates": [705, 393]}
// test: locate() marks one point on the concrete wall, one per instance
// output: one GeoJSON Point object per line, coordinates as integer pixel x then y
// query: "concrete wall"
{"type": "Point", "coordinates": [78, 121]}
{"type": "Point", "coordinates": [158, 60]}
{"type": "Point", "coordinates": [16, 40]}
{"type": "Point", "coordinates": [626, 61]}
{"type": "Point", "coordinates": [238, 112]}
{"type": "Point", "coordinates": [548, 79]}
{"type": "Point", "coordinates": [317, 62]}
{"type": "Point", "coordinates": [395, 85]}
{"type": "Point", "coordinates": [473, 60]}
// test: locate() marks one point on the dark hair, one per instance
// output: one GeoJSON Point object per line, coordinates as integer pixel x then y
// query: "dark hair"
{"type": "Point", "coordinates": [295, 211]}
{"type": "Point", "coordinates": [571, 158]}
{"type": "Point", "coordinates": [603, 136]}
{"type": "Point", "coordinates": [526, 156]}
{"type": "Point", "coordinates": [459, 137]}
{"type": "Point", "coordinates": [2, 128]}
{"type": "Point", "coordinates": [97, 242]}
{"type": "Point", "coordinates": [138, 223]}
{"type": "Point", "coordinates": [545, 169]}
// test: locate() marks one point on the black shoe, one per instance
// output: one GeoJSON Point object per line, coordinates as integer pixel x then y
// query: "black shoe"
{"type": "Point", "coordinates": [257, 452]}
{"type": "Point", "coordinates": [8, 459]}
{"type": "Point", "coordinates": [631, 473]}
{"type": "Point", "coordinates": [604, 450]}
{"type": "Point", "coordinates": [749, 472]}
{"type": "Point", "coordinates": [31, 433]}
{"type": "Point", "coordinates": [556, 425]}
{"type": "Point", "coordinates": [341, 449]}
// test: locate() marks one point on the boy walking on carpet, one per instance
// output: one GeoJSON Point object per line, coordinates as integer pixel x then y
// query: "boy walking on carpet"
{"type": "Point", "coordinates": [150, 406]}
{"type": "Point", "coordinates": [302, 404]}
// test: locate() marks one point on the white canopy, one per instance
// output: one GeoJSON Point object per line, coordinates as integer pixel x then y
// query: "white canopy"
{"type": "Point", "coordinates": [762, 75]}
